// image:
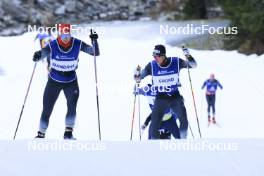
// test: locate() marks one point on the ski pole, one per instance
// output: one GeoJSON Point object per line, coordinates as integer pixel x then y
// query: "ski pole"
{"type": "Point", "coordinates": [133, 115]}
{"type": "Point", "coordinates": [190, 129]}
{"type": "Point", "coordinates": [25, 99]}
{"type": "Point", "coordinates": [194, 104]}
{"type": "Point", "coordinates": [201, 114]}
{"type": "Point", "coordinates": [97, 94]}
{"type": "Point", "coordinates": [139, 125]}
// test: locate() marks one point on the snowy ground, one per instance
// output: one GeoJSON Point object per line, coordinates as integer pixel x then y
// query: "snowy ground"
{"type": "Point", "coordinates": [239, 106]}
{"type": "Point", "coordinates": [200, 157]}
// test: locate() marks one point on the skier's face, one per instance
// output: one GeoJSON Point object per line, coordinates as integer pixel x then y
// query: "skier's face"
{"type": "Point", "coordinates": [159, 59]}
{"type": "Point", "coordinates": [65, 37]}
{"type": "Point", "coordinates": [65, 32]}
{"type": "Point", "coordinates": [212, 77]}
{"type": "Point", "coordinates": [158, 56]}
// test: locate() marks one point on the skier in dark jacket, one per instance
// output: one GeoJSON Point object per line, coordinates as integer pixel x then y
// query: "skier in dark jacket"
{"type": "Point", "coordinates": [64, 52]}
{"type": "Point", "coordinates": [165, 76]}
{"type": "Point", "coordinates": [211, 87]}
{"type": "Point", "coordinates": [168, 125]}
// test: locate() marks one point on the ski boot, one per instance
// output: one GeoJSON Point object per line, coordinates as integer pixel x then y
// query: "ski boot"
{"type": "Point", "coordinates": [68, 134]}
{"type": "Point", "coordinates": [40, 135]}
{"type": "Point", "coordinates": [209, 120]}
{"type": "Point", "coordinates": [213, 120]}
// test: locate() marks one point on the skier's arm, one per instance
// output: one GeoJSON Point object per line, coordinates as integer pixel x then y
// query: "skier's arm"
{"type": "Point", "coordinates": [146, 71]}
{"type": "Point", "coordinates": [204, 84]}
{"type": "Point", "coordinates": [147, 120]}
{"type": "Point", "coordinates": [219, 85]}
{"type": "Point", "coordinates": [45, 52]}
{"type": "Point", "coordinates": [41, 54]}
{"type": "Point", "coordinates": [36, 37]}
{"type": "Point", "coordinates": [90, 49]}
{"type": "Point", "coordinates": [191, 63]}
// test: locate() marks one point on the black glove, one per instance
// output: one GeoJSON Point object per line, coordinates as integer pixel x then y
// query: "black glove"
{"type": "Point", "coordinates": [37, 56]}
{"type": "Point", "coordinates": [143, 127]}
{"type": "Point", "coordinates": [93, 35]}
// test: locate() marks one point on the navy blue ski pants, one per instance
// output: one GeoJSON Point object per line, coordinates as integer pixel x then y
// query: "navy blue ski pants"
{"type": "Point", "coordinates": [210, 103]}
{"type": "Point", "coordinates": [51, 94]}
{"type": "Point", "coordinates": [176, 103]}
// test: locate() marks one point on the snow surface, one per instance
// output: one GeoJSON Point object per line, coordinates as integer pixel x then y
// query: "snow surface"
{"type": "Point", "coordinates": [57, 157]}
{"type": "Point", "coordinates": [123, 46]}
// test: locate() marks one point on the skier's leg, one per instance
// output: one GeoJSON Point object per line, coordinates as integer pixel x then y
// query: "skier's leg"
{"type": "Point", "coordinates": [165, 135]}
{"type": "Point", "coordinates": [213, 104]}
{"type": "Point", "coordinates": [213, 107]}
{"type": "Point", "coordinates": [210, 102]}
{"type": "Point", "coordinates": [71, 92]}
{"type": "Point", "coordinates": [149, 136]}
{"type": "Point", "coordinates": [172, 126]}
{"type": "Point", "coordinates": [160, 105]}
{"type": "Point", "coordinates": [51, 93]}
{"type": "Point", "coordinates": [179, 109]}
{"type": "Point", "coordinates": [208, 105]}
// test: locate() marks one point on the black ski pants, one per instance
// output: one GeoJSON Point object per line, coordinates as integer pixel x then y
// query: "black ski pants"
{"type": "Point", "coordinates": [51, 94]}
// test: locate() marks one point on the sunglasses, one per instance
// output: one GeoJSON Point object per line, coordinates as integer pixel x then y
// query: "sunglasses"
{"type": "Point", "coordinates": [65, 36]}
{"type": "Point", "coordinates": [156, 53]}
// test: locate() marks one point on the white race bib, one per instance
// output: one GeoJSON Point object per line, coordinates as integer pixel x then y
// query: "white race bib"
{"type": "Point", "coordinates": [166, 80]}
{"type": "Point", "coordinates": [63, 65]}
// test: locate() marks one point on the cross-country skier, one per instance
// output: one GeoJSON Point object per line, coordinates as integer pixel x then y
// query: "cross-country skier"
{"type": "Point", "coordinates": [165, 76]}
{"type": "Point", "coordinates": [44, 39]}
{"type": "Point", "coordinates": [64, 52]}
{"type": "Point", "coordinates": [168, 125]}
{"type": "Point", "coordinates": [211, 87]}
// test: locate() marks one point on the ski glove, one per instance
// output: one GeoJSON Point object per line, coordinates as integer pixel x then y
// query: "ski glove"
{"type": "Point", "coordinates": [137, 74]}
{"type": "Point", "coordinates": [143, 127]}
{"type": "Point", "coordinates": [186, 52]}
{"type": "Point", "coordinates": [93, 35]}
{"type": "Point", "coordinates": [37, 56]}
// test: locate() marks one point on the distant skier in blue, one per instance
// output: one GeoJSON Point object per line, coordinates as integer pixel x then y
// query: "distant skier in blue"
{"type": "Point", "coordinates": [44, 39]}
{"type": "Point", "coordinates": [211, 87]}
{"type": "Point", "coordinates": [64, 57]}
{"type": "Point", "coordinates": [168, 125]}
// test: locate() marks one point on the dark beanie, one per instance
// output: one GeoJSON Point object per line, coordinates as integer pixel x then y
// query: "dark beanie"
{"type": "Point", "coordinates": [161, 49]}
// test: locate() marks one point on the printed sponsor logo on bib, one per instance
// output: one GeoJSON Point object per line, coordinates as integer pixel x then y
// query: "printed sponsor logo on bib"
{"type": "Point", "coordinates": [64, 65]}
{"type": "Point", "coordinates": [166, 80]}
{"type": "Point", "coordinates": [212, 89]}
{"type": "Point", "coordinates": [162, 72]}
